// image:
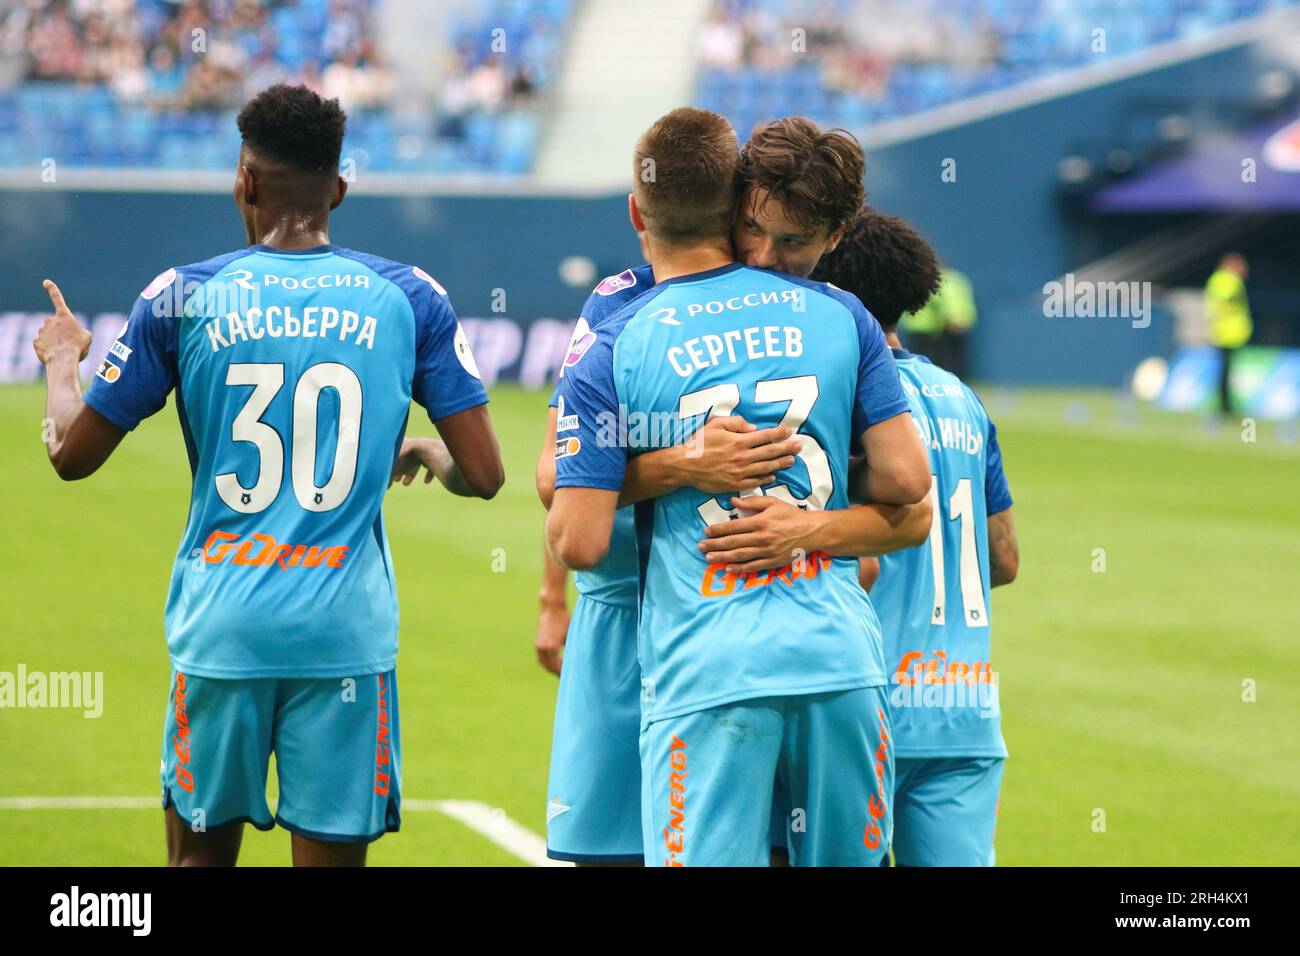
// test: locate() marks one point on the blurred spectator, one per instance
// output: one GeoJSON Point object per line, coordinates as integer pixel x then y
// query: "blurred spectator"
{"type": "Point", "coordinates": [940, 331]}
{"type": "Point", "coordinates": [722, 43]}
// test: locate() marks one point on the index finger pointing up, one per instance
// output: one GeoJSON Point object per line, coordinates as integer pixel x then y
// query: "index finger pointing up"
{"type": "Point", "coordinates": [55, 296]}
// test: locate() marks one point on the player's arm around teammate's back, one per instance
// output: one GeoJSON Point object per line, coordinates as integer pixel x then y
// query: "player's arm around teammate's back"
{"type": "Point", "coordinates": [896, 470]}
{"type": "Point", "coordinates": [775, 533]}
{"type": "Point", "coordinates": [730, 454]}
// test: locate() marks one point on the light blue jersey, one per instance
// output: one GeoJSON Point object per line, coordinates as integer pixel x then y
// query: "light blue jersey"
{"type": "Point", "coordinates": [613, 580]}
{"type": "Point", "coordinates": [933, 600]}
{"type": "Point", "coordinates": [294, 373]}
{"type": "Point", "coordinates": [777, 350]}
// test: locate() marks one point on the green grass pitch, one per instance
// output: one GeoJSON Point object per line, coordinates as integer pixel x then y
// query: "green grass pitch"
{"type": "Point", "coordinates": [1122, 689]}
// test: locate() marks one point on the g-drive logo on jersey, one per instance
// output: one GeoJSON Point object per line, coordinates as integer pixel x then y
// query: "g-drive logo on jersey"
{"type": "Point", "coordinates": [220, 546]}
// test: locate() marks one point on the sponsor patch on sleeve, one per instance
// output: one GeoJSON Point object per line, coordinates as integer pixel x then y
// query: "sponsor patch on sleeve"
{"type": "Point", "coordinates": [119, 349]}
{"type": "Point", "coordinates": [563, 422]}
{"type": "Point", "coordinates": [108, 371]}
{"type": "Point", "coordinates": [567, 446]}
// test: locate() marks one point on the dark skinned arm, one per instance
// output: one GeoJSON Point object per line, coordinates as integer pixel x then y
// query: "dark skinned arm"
{"type": "Point", "coordinates": [467, 460]}
{"type": "Point", "coordinates": [79, 439]}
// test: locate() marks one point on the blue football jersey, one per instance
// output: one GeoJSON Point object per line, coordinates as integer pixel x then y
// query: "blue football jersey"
{"type": "Point", "coordinates": [777, 350]}
{"type": "Point", "coordinates": [613, 580]}
{"type": "Point", "coordinates": [933, 600]}
{"type": "Point", "coordinates": [294, 373]}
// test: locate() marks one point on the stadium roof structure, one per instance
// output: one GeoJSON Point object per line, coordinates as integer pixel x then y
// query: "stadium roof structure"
{"type": "Point", "coordinates": [1213, 177]}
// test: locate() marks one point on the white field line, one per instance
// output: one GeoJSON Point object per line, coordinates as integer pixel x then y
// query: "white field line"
{"type": "Point", "coordinates": [506, 833]}
{"type": "Point", "coordinates": [510, 835]}
{"type": "Point", "coordinates": [81, 803]}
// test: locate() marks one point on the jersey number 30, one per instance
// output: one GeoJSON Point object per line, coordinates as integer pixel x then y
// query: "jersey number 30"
{"type": "Point", "coordinates": [267, 380]}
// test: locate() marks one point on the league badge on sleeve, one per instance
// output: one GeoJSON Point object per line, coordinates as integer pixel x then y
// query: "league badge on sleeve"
{"type": "Point", "coordinates": [160, 282]}
{"type": "Point", "coordinates": [463, 352]}
{"type": "Point", "coordinates": [611, 284]}
{"type": "Point", "coordinates": [424, 276]}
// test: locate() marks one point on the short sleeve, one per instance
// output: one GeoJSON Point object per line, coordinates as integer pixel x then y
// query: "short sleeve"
{"type": "Point", "coordinates": [140, 369]}
{"type": "Point", "coordinates": [997, 495]}
{"type": "Point", "coordinates": [590, 448]}
{"type": "Point", "coordinates": [446, 377]}
{"type": "Point", "coordinates": [879, 395]}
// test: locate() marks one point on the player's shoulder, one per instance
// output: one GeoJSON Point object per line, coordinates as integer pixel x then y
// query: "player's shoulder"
{"type": "Point", "coordinates": [206, 268]}
{"type": "Point", "coordinates": [618, 321]}
{"type": "Point", "coordinates": [824, 290]}
{"type": "Point", "coordinates": [594, 344]}
{"type": "Point", "coordinates": [613, 292]}
{"type": "Point", "coordinates": [942, 383]}
{"type": "Point", "coordinates": [625, 285]}
{"type": "Point", "coordinates": [171, 291]}
{"type": "Point", "coordinates": [193, 272]}
{"type": "Point", "coordinates": [414, 282]}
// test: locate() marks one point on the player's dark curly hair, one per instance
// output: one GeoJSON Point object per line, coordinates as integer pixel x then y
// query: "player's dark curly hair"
{"type": "Point", "coordinates": [885, 263]}
{"type": "Point", "coordinates": [295, 126]}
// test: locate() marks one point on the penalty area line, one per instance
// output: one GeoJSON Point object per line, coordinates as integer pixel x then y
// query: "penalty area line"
{"type": "Point", "coordinates": [490, 823]}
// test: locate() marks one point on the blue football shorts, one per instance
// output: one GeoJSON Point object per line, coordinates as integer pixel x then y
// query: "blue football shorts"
{"type": "Point", "coordinates": [709, 780]}
{"type": "Point", "coordinates": [945, 810]}
{"type": "Point", "coordinates": [336, 746]}
{"type": "Point", "coordinates": [593, 811]}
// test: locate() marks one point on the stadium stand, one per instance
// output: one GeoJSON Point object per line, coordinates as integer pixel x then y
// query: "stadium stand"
{"type": "Point", "coordinates": [151, 83]}
{"type": "Point", "coordinates": [854, 63]}
{"type": "Point", "coordinates": [155, 83]}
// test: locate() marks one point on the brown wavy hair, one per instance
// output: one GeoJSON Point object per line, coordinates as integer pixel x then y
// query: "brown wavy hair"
{"type": "Point", "coordinates": [816, 175]}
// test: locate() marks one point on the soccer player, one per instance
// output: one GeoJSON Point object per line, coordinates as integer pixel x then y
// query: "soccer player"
{"type": "Point", "coordinates": [746, 680]}
{"type": "Point", "coordinates": [294, 363]}
{"type": "Point", "coordinates": [933, 601]}
{"type": "Point", "coordinates": [593, 814]}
